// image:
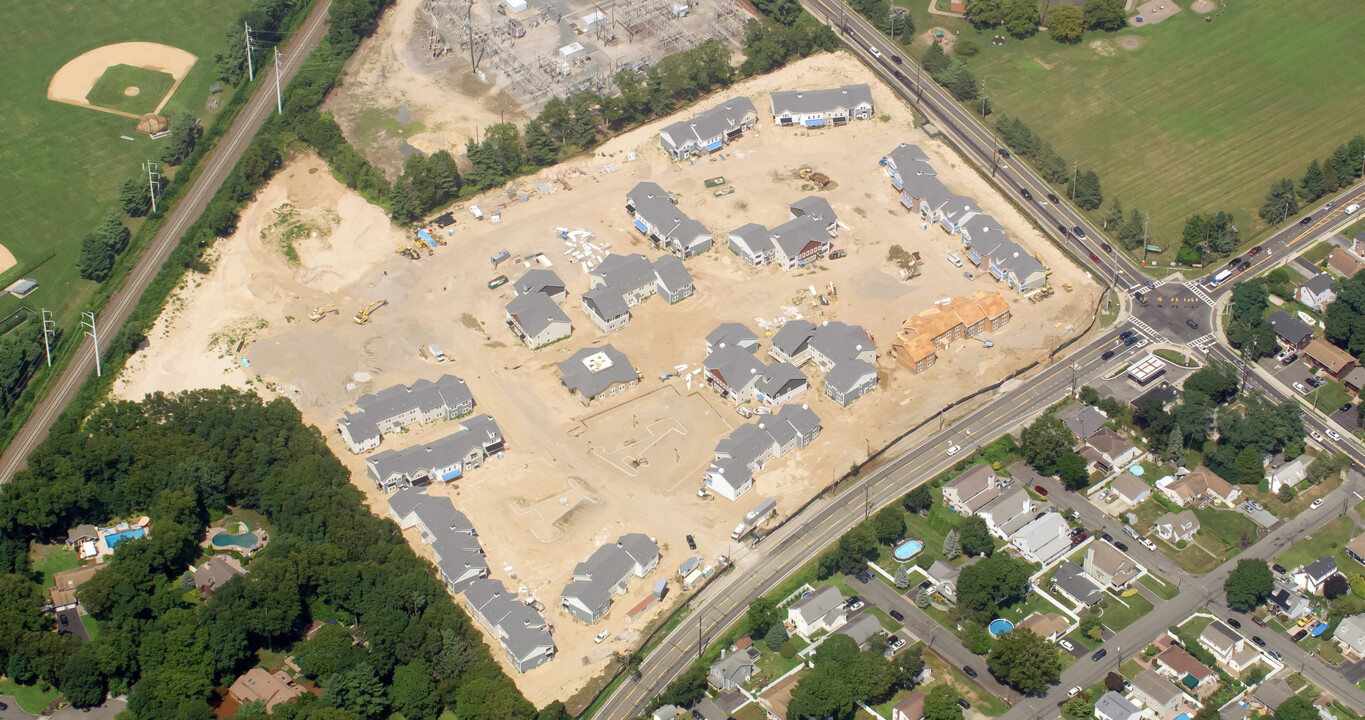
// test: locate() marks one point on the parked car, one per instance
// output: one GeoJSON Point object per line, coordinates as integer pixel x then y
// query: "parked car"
{"type": "Point", "coordinates": [895, 615]}
{"type": "Point", "coordinates": [1289, 359]}
{"type": "Point", "coordinates": [864, 576]}
{"type": "Point", "coordinates": [1040, 490]}
{"type": "Point", "coordinates": [1233, 622]}
{"type": "Point", "coordinates": [971, 673]}
{"type": "Point", "coordinates": [1258, 621]}
{"type": "Point", "coordinates": [62, 619]}
{"type": "Point", "coordinates": [1316, 504]}
{"type": "Point", "coordinates": [1257, 639]}
{"type": "Point", "coordinates": [968, 275]}
{"type": "Point", "coordinates": [601, 636]}
{"type": "Point", "coordinates": [853, 603]}
{"type": "Point", "coordinates": [1301, 634]}
{"type": "Point", "coordinates": [1345, 408]}
{"type": "Point", "coordinates": [1025, 193]}
{"type": "Point", "coordinates": [1279, 569]}
{"type": "Point", "coordinates": [1078, 538]}
{"type": "Point", "coordinates": [1073, 692]}
{"type": "Point", "coordinates": [1315, 381]}
{"type": "Point", "coordinates": [1066, 645]}
{"type": "Point", "coordinates": [1299, 386]}
{"type": "Point", "coordinates": [1107, 354]}
{"type": "Point", "coordinates": [835, 255]}
{"type": "Point", "coordinates": [691, 543]}
{"type": "Point", "coordinates": [1147, 543]}
{"type": "Point", "coordinates": [1099, 655]}
{"type": "Point", "coordinates": [964, 704]}
{"type": "Point", "coordinates": [1276, 654]}
{"type": "Point", "coordinates": [1121, 546]}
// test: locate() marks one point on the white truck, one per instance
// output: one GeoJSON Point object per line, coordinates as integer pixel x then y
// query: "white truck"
{"type": "Point", "coordinates": [755, 517]}
{"type": "Point", "coordinates": [954, 259]}
{"type": "Point", "coordinates": [437, 352]}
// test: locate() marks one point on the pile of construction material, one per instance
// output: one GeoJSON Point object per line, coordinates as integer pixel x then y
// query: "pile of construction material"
{"type": "Point", "coordinates": [582, 247]}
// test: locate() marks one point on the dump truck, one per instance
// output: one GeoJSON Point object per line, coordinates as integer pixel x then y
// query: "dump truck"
{"type": "Point", "coordinates": [819, 179]}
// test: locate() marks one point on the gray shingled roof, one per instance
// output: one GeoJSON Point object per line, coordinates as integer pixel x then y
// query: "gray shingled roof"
{"type": "Point", "coordinates": [477, 431]}
{"type": "Point", "coordinates": [1115, 706]}
{"type": "Point", "coordinates": [538, 280]}
{"type": "Point", "coordinates": [576, 375]}
{"type": "Point", "coordinates": [793, 338]}
{"type": "Point", "coordinates": [984, 230]}
{"type": "Point", "coordinates": [779, 376]}
{"type": "Point", "coordinates": [1289, 327]}
{"type": "Point", "coordinates": [861, 628]}
{"type": "Point", "coordinates": [736, 334]}
{"type": "Point", "coordinates": [823, 100]}
{"type": "Point", "coordinates": [1322, 567]}
{"type": "Point", "coordinates": [959, 206]}
{"type": "Point", "coordinates": [905, 156]}
{"type": "Point", "coordinates": [745, 443]}
{"type": "Point", "coordinates": [625, 272]}
{"type": "Point", "coordinates": [712, 122]}
{"type": "Point", "coordinates": [607, 302]}
{"type": "Point", "coordinates": [735, 365]}
{"type": "Point", "coordinates": [924, 186]}
{"type": "Point", "coordinates": [670, 271]}
{"type": "Point", "coordinates": [1318, 283]}
{"type": "Point", "coordinates": [1071, 578]}
{"type": "Point", "coordinates": [848, 375]}
{"type": "Point", "coordinates": [840, 341]}
{"type": "Point", "coordinates": [423, 394]}
{"type": "Point", "coordinates": [794, 235]}
{"type": "Point", "coordinates": [755, 236]}
{"type": "Point", "coordinates": [819, 603]}
{"type": "Point", "coordinates": [536, 311]}
{"type": "Point", "coordinates": [816, 207]}
{"type": "Point", "coordinates": [608, 566]}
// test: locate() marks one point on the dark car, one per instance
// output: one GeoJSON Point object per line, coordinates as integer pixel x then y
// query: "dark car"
{"type": "Point", "coordinates": [1027, 195]}
{"type": "Point", "coordinates": [62, 619]}
{"type": "Point", "coordinates": [1279, 569]}
{"type": "Point", "coordinates": [1192, 324]}
{"type": "Point", "coordinates": [1107, 354]}
{"type": "Point", "coordinates": [1301, 634]}
{"type": "Point", "coordinates": [1290, 358]}
{"type": "Point", "coordinates": [1062, 229]}
{"type": "Point", "coordinates": [3, 706]}
{"type": "Point", "coordinates": [1258, 621]}
{"type": "Point", "coordinates": [1052, 198]}
{"type": "Point", "coordinates": [970, 672]}
{"type": "Point", "coordinates": [1120, 545]}
{"type": "Point", "coordinates": [1106, 247]}
{"type": "Point", "coordinates": [964, 704]}
{"type": "Point", "coordinates": [864, 577]}
{"type": "Point", "coordinates": [1040, 490]}
{"type": "Point", "coordinates": [63, 632]}
{"type": "Point", "coordinates": [1127, 334]}
{"type": "Point", "coordinates": [1130, 340]}
{"type": "Point", "coordinates": [1094, 257]}
{"type": "Point", "coordinates": [1080, 231]}
{"type": "Point", "coordinates": [1254, 251]}
{"type": "Point", "coordinates": [1307, 219]}
{"type": "Point", "coordinates": [1099, 655]}
{"type": "Point", "coordinates": [1346, 407]}
{"type": "Point", "coordinates": [1233, 622]}
{"type": "Point", "coordinates": [1003, 152]}
{"type": "Point", "coordinates": [896, 59]}
{"type": "Point", "coordinates": [1107, 537]}
{"type": "Point", "coordinates": [1245, 264]}
{"type": "Point", "coordinates": [1314, 380]}
{"type": "Point", "coordinates": [691, 543]}
{"type": "Point", "coordinates": [1257, 639]}
{"type": "Point", "coordinates": [897, 616]}
{"type": "Point", "coordinates": [899, 75]}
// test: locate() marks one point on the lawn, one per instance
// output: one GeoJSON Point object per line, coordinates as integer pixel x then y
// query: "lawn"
{"type": "Point", "coordinates": [1119, 612]}
{"type": "Point", "coordinates": [1201, 118]}
{"type": "Point", "coordinates": [1329, 397]}
{"type": "Point", "coordinates": [1330, 540]}
{"type": "Point", "coordinates": [982, 701]}
{"type": "Point", "coordinates": [63, 163]}
{"type": "Point", "coordinates": [110, 90]}
{"type": "Point", "coordinates": [1130, 669]}
{"type": "Point", "coordinates": [92, 626]}
{"type": "Point", "coordinates": [1225, 527]}
{"type": "Point", "coordinates": [50, 559]}
{"type": "Point", "coordinates": [1301, 501]}
{"type": "Point", "coordinates": [1179, 358]}
{"type": "Point", "coordinates": [1163, 589]}
{"type": "Point", "coordinates": [1329, 652]}
{"type": "Point", "coordinates": [1192, 559]}
{"type": "Point", "coordinates": [1319, 252]}
{"type": "Point", "coordinates": [30, 698]}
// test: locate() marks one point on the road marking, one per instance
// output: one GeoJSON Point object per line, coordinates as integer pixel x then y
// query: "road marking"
{"type": "Point", "coordinates": [1147, 330]}
{"type": "Point", "coordinates": [1193, 286]}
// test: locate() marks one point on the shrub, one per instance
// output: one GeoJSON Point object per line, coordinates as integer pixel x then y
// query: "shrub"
{"type": "Point", "coordinates": [788, 650]}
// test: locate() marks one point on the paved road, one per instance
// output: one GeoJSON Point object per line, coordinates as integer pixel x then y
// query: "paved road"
{"type": "Point", "coordinates": [13, 711]}
{"type": "Point", "coordinates": [216, 168]}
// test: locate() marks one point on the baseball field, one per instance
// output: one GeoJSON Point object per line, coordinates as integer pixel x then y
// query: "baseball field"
{"type": "Point", "coordinates": [1187, 115]}
{"type": "Point", "coordinates": [63, 161]}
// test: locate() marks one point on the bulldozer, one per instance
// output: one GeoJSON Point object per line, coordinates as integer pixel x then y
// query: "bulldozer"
{"type": "Point", "coordinates": [363, 316]}
{"type": "Point", "coordinates": [319, 313]}
{"type": "Point", "coordinates": [406, 251]}
{"type": "Point", "coordinates": [820, 179]}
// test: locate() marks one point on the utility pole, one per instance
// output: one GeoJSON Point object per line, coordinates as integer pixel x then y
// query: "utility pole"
{"type": "Point", "coordinates": [1286, 210]}
{"type": "Point", "coordinates": [88, 322]}
{"type": "Point", "coordinates": [49, 327]}
{"type": "Point", "coordinates": [1073, 378]}
{"type": "Point", "coordinates": [250, 71]}
{"type": "Point", "coordinates": [153, 182]}
{"type": "Point", "coordinates": [1075, 177]}
{"type": "Point", "coordinates": [279, 102]}
{"type": "Point", "coordinates": [867, 501]}
{"type": "Point", "coordinates": [700, 644]}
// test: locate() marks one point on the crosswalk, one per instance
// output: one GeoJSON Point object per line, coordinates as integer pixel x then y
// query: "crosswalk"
{"type": "Point", "coordinates": [1202, 343]}
{"type": "Point", "coordinates": [1193, 287]}
{"type": "Point", "coordinates": [1147, 330]}
{"type": "Point", "coordinates": [1134, 290]}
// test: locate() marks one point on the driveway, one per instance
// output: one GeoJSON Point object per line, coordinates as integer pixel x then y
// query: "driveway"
{"type": "Point", "coordinates": [1260, 517]}
{"type": "Point", "coordinates": [13, 713]}
{"type": "Point", "coordinates": [107, 711]}
{"type": "Point", "coordinates": [73, 624]}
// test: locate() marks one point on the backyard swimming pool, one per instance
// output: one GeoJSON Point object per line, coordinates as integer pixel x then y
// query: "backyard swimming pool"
{"type": "Point", "coordinates": [1000, 626]}
{"type": "Point", "coordinates": [907, 550]}
{"type": "Point", "coordinates": [244, 540]}
{"type": "Point", "coordinates": [113, 539]}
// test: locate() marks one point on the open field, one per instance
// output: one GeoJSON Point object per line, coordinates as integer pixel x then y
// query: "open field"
{"type": "Point", "coordinates": [1201, 117]}
{"type": "Point", "coordinates": [567, 481]}
{"type": "Point", "coordinates": [63, 163]}
{"type": "Point", "coordinates": [130, 89]}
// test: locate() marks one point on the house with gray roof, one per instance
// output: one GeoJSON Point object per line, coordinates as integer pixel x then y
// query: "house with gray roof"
{"type": "Point", "coordinates": [738, 376]}
{"type": "Point", "coordinates": [1008, 512]}
{"type": "Point", "coordinates": [956, 213]}
{"type": "Point", "coordinates": [1084, 421]}
{"type": "Point", "coordinates": [817, 108]}
{"type": "Point", "coordinates": [905, 160]}
{"type": "Point", "coordinates": [850, 380]}
{"type": "Point", "coordinates": [673, 281]}
{"type": "Point", "coordinates": [818, 209]}
{"type": "Point", "coordinates": [1350, 633]}
{"type": "Point", "coordinates": [752, 243]}
{"type": "Point", "coordinates": [924, 195]}
{"type": "Point", "coordinates": [748, 448]}
{"type": "Point", "coordinates": [394, 408]}
{"type": "Point", "coordinates": [862, 628]}
{"type": "Point", "coordinates": [607, 573]}
{"type": "Point", "coordinates": [830, 345]}
{"type": "Point", "coordinates": [1175, 527]}
{"type": "Point", "coordinates": [453, 540]}
{"type": "Point", "coordinates": [780, 383]}
{"type": "Point", "coordinates": [820, 610]}
{"type": "Point", "coordinates": [522, 631]}
{"type": "Point", "coordinates": [1316, 292]}
{"type": "Point", "coordinates": [1008, 262]}
{"type": "Point", "coordinates": [655, 213]}
{"type": "Point", "coordinates": [1113, 706]}
{"type": "Point", "coordinates": [734, 669]}
{"type": "Point", "coordinates": [542, 281]}
{"type": "Point", "coordinates": [1072, 583]}
{"type": "Point", "coordinates": [1157, 693]}
{"type": "Point", "coordinates": [537, 321]}
{"type": "Point", "coordinates": [981, 229]}
{"type": "Point", "coordinates": [1043, 540]}
{"type": "Point", "coordinates": [799, 242]}
{"type": "Point", "coordinates": [727, 334]}
{"type": "Point", "coordinates": [606, 308]}
{"type": "Point", "coordinates": [1312, 577]}
{"type": "Point", "coordinates": [448, 458]}
{"type": "Point", "coordinates": [944, 577]}
{"type": "Point", "coordinates": [621, 282]}
{"type": "Point", "coordinates": [709, 131]}
{"type": "Point", "coordinates": [1289, 330]}
{"type": "Point", "coordinates": [595, 373]}
{"type": "Point", "coordinates": [969, 491]}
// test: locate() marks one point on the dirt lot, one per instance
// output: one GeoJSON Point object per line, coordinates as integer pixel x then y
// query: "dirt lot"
{"type": "Point", "coordinates": [568, 482]}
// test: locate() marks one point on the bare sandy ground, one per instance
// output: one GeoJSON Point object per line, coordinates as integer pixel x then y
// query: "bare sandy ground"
{"type": "Point", "coordinates": [571, 477]}
{"type": "Point", "coordinates": [6, 259]}
{"type": "Point", "coordinates": [73, 81]}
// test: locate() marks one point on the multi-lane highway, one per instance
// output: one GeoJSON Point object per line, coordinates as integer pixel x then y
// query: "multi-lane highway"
{"type": "Point", "coordinates": [214, 171]}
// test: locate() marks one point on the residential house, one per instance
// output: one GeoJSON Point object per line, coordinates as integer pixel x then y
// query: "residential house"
{"type": "Point", "coordinates": [1356, 548]}
{"type": "Point", "coordinates": [752, 243]}
{"type": "Point", "coordinates": [1114, 450]}
{"type": "Point", "coordinates": [1272, 693]}
{"type": "Point", "coordinates": [1228, 647]}
{"type": "Point", "coordinates": [592, 374]}
{"type": "Point", "coordinates": [727, 334]}
{"type": "Point", "coordinates": [214, 573]}
{"type": "Point", "coordinates": [923, 336]}
{"type": "Point", "coordinates": [734, 669]}
{"type": "Point", "coordinates": [944, 577]}
{"type": "Point", "coordinates": [1085, 421]}
{"type": "Point", "coordinates": [522, 631]}
{"type": "Point", "coordinates": [1291, 473]}
{"type": "Point", "coordinates": [719, 708]}
{"type": "Point", "coordinates": [816, 108]}
{"type": "Point", "coordinates": [1174, 527]}
{"type": "Point", "coordinates": [821, 610]}
{"type": "Point", "coordinates": [397, 407]}
{"type": "Point", "coordinates": [537, 321]}
{"type": "Point", "coordinates": [1343, 263]}
{"type": "Point", "coordinates": [959, 492]}
{"type": "Point", "coordinates": [750, 446]}
{"type": "Point", "coordinates": [1113, 706]}
{"type": "Point", "coordinates": [817, 209]}
{"type": "Point", "coordinates": [1314, 575]}
{"type": "Point", "coordinates": [65, 583]}
{"type": "Point", "coordinates": [606, 308]}
{"type": "Point", "coordinates": [607, 573]}
{"type": "Point", "coordinates": [655, 213]}
{"type": "Point", "coordinates": [673, 281]}
{"type": "Point", "coordinates": [1048, 626]}
{"type": "Point", "coordinates": [1110, 567]}
{"type": "Point", "coordinates": [1355, 380]}
{"type": "Point", "coordinates": [1131, 488]}
{"type": "Point", "coordinates": [850, 380]}
{"type": "Point", "coordinates": [1316, 292]}
{"type": "Point", "coordinates": [1289, 600]}
{"type": "Point", "coordinates": [620, 282]}
{"type": "Point", "coordinates": [1008, 512]}
{"type": "Point", "coordinates": [1043, 540]}
{"type": "Point", "coordinates": [798, 242]}
{"type": "Point", "coordinates": [904, 160]}
{"type": "Point", "coordinates": [1175, 663]}
{"type": "Point", "coordinates": [82, 534]}
{"type": "Point", "coordinates": [1198, 485]}
{"type": "Point", "coordinates": [1157, 693]}
{"type": "Point", "coordinates": [845, 352]}
{"type": "Point", "coordinates": [448, 458]}
{"type": "Point", "coordinates": [270, 688]}
{"type": "Point", "coordinates": [738, 376]}
{"type": "Point", "coordinates": [862, 627]}
{"type": "Point", "coordinates": [956, 212]}
{"type": "Point", "coordinates": [539, 281]}
{"type": "Point", "coordinates": [1289, 330]}
{"type": "Point", "coordinates": [1004, 259]}
{"type": "Point", "coordinates": [1329, 358]}
{"type": "Point", "coordinates": [1350, 634]}
{"type": "Point", "coordinates": [454, 542]}
{"type": "Point", "coordinates": [911, 707]}
{"type": "Point", "coordinates": [1073, 584]}
{"type": "Point", "coordinates": [709, 131]}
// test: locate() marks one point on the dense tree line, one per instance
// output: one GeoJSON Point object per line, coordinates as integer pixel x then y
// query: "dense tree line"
{"type": "Point", "coordinates": [1207, 233]}
{"type": "Point", "coordinates": [990, 584]}
{"type": "Point", "coordinates": [1247, 330]}
{"type": "Point", "coordinates": [843, 676]}
{"type": "Point", "coordinates": [1341, 168]}
{"type": "Point", "coordinates": [1047, 443]}
{"type": "Point", "coordinates": [180, 459]}
{"type": "Point", "coordinates": [100, 248]}
{"type": "Point", "coordinates": [950, 72]}
{"type": "Point", "coordinates": [1345, 318]}
{"type": "Point", "coordinates": [265, 18]}
{"type": "Point", "coordinates": [1019, 138]}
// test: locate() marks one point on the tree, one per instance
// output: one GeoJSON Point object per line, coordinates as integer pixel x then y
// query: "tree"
{"type": "Point", "coordinates": [1089, 395]}
{"type": "Point", "coordinates": [952, 547]}
{"type": "Point", "coordinates": [941, 704]}
{"type": "Point", "coordinates": [1311, 186]}
{"type": "Point", "coordinates": [855, 548]}
{"type": "Point", "coordinates": [922, 599]}
{"type": "Point", "coordinates": [540, 149]}
{"type": "Point", "coordinates": [1285, 493]}
{"type": "Point", "coordinates": [1091, 626]}
{"type": "Point", "coordinates": [1331, 182]}
{"type": "Point", "coordinates": [357, 690]}
{"type": "Point", "coordinates": [413, 693]}
{"type": "Point", "coordinates": [1249, 585]}
{"type": "Point", "coordinates": [888, 524]}
{"type": "Point", "coordinates": [1066, 24]}
{"type": "Point", "coordinates": [1114, 216]}
{"type": "Point", "coordinates": [985, 13]}
{"type": "Point", "coordinates": [81, 681]}
{"type": "Point", "coordinates": [918, 500]}
{"type": "Point", "coordinates": [898, 25]}
{"type": "Point", "coordinates": [1025, 661]}
{"type": "Point", "coordinates": [1133, 232]}
{"type": "Point", "coordinates": [775, 636]}
{"type": "Point", "coordinates": [1087, 186]}
{"type": "Point", "coordinates": [181, 138]}
{"type": "Point", "coordinates": [908, 664]}
{"type": "Point", "coordinates": [763, 614]}
{"type": "Point", "coordinates": [1021, 18]}
{"type": "Point", "coordinates": [983, 587]}
{"type": "Point", "coordinates": [134, 196]}
{"type": "Point", "coordinates": [1175, 447]}
{"type": "Point", "coordinates": [1249, 301]}
{"type": "Point", "coordinates": [964, 86]}
{"type": "Point", "coordinates": [1296, 707]}
{"type": "Point", "coordinates": [1080, 707]}
{"type": "Point", "coordinates": [1071, 469]}
{"type": "Point", "coordinates": [1336, 586]}
{"type": "Point", "coordinates": [903, 577]}
{"type": "Point", "coordinates": [1105, 15]}
{"type": "Point", "coordinates": [95, 261]}
{"type": "Point", "coordinates": [404, 207]}
{"type": "Point", "coordinates": [445, 174]}
{"type": "Point", "coordinates": [1280, 202]}
{"type": "Point", "coordinates": [935, 60]}
{"type": "Point", "coordinates": [1044, 441]}
{"type": "Point", "coordinates": [975, 537]}
{"type": "Point", "coordinates": [1249, 465]}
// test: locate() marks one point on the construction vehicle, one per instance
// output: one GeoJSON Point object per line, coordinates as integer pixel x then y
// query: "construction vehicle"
{"type": "Point", "coordinates": [819, 179]}
{"type": "Point", "coordinates": [319, 313]}
{"type": "Point", "coordinates": [714, 182]}
{"type": "Point", "coordinates": [408, 252]}
{"type": "Point", "coordinates": [363, 316]}
{"type": "Point", "coordinates": [418, 246]}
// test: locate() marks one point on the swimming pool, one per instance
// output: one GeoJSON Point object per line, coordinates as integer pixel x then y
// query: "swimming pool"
{"type": "Point", "coordinates": [113, 539]}
{"type": "Point", "coordinates": [1000, 626]}
{"type": "Point", "coordinates": [244, 539]}
{"type": "Point", "coordinates": [907, 550]}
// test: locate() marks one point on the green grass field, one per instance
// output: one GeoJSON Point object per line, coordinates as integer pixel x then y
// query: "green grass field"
{"type": "Point", "coordinates": [63, 163]}
{"type": "Point", "coordinates": [49, 559]}
{"type": "Point", "coordinates": [1201, 117]}
{"type": "Point", "coordinates": [110, 90]}
{"type": "Point", "coordinates": [1330, 540]}
{"type": "Point", "coordinates": [31, 698]}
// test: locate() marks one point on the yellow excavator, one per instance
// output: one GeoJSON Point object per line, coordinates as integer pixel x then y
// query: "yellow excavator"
{"type": "Point", "coordinates": [363, 316]}
{"type": "Point", "coordinates": [406, 251]}
{"type": "Point", "coordinates": [319, 313]}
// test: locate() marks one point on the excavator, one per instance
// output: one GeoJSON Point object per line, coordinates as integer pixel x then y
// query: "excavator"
{"type": "Point", "coordinates": [319, 313]}
{"type": "Point", "coordinates": [363, 316]}
{"type": "Point", "coordinates": [406, 251]}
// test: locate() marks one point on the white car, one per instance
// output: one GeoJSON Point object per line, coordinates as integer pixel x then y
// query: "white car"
{"type": "Point", "coordinates": [1073, 692]}
{"type": "Point", "coordinates": [1333, 434]}
{"type": "Point", "coordinates": [1314, 434]}
{"type": "Point", "coordinates": [1316, 504]}
{"type": "Point", "coordinates": [1142, 343]}
{"type": "Point", "coordinates": [954, 449]}
{"type": "Point", "coordinates": [1066, 645]}
{"type": "Point", "coordinates": [1299, 386]}
{"type": "Point", "coordinates": [1148, 544]}
{"type": "Point", "coordinates": [855, 605]}
{"type": "Point", "coordinates": [601, 636]}
{"type": "Point", "coordinates": [1352, 208]}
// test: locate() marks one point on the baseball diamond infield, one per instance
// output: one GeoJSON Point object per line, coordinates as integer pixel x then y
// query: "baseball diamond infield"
{"type": "Point", "coordinates": [130, 89]}
{"type": "Point", "coordinates": [80, 76]}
